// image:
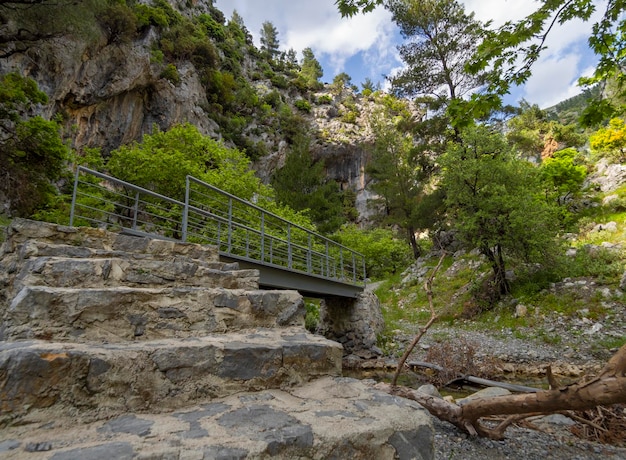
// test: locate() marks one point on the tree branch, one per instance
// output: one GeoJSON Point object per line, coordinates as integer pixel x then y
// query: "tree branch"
{"type": "Point", "coordinates": [433, 318]}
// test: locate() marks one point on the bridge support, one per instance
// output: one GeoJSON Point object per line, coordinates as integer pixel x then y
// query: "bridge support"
{"type": "Point", "coordinates": [355, 323]}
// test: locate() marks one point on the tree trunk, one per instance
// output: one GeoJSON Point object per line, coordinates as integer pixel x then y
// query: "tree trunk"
{"type": "Point", "coordinates": [608, 388]}
{"type": "Point", "coordinates": [496, 259]}
{"type": "Point", "coordinates": [417, 251]}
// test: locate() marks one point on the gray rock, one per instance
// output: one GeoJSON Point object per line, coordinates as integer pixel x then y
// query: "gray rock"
{"type": "Point", "coordinates": [278, 429]}
{"type": "Point", "coordinates": [429, 390]}
{"type": "Point", "coordinates": [412, 445]}
{"type": "Point", "coordinates": [129, 424]}
{"type": "Point", "coordinates": [113, 450]}
{"type": "Point", "coordinates": [9, 444]}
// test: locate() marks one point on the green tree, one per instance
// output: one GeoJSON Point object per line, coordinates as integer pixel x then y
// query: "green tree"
{"type": "Point", "coordinates": [441, 39]}
{"type": "Point", "coordinates": [340, 82]}
{"type": "Point", "coordinates": [368, 87]}
{"type": "Point", "coordinates": [511, 51]}
{"type": "Point", "coordinates": [384, 254]}
{"type": "Point", "coordinates": [32, 153]}
{"type": "Point", "coordinates": [495, 202]}
{"type": "Point", "coordinates": [535, 136]}
{"type": "Point", "coordinates": [562, 175]}
{"type": "Point", "coordinates": [269, 40]}
{"type": "Point", "coordinates": [162, 160]}
{"type": "Point", "coordinates": [397, 177]}
{"type": "Point", "coordinates": [310, 70]}
{"type": "Point", "coordinates": [302, 185]}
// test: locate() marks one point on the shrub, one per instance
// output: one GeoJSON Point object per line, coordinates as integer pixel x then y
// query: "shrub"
{"type": "Point", "coordinates": [119, 22]}
{"type": "Point", "coordinates": [170, 72]}
{"type": "Point", "coordinates": [303, 105]}
{"type": "Point", "coordinates": [384, 253]}
{"type": "Point", "coordinates": [325, 99]}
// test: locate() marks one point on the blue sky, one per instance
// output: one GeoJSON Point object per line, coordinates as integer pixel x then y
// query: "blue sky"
{"type": "Point", "coordinates": [365, 46]}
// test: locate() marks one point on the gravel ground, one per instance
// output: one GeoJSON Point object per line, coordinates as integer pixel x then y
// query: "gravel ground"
{"type": "Point", "coordinates": [520, 443]}
{"type": "Point", "coordinates": [576, 353]}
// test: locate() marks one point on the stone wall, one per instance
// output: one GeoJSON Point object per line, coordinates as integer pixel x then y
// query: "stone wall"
{"type": "Point", "coordinates": [355, 323]}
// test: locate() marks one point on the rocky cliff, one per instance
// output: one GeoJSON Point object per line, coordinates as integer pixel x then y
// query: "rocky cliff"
{"type": "Point", "coordinates": [110, 86]}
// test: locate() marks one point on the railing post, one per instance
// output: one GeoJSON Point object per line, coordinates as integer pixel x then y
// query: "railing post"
{"type": "Point", "coordinates": [327, 261]}
{"type": "Point", "coordinates": [341, 270]}
{"type": "Point", "coordinates": [230, 225]}
{"type": "Point", "coordinates": [186, 209]}
{"type": "Point", "coordinates": [74, 197]}
{"type": "Point", "coordinates": [289, 257]}
{"type": "Point", "coordinates": [262, 236]}
{"type": "Point", "coordinates": [363, 272]}
{"type": "Point", "coordinates": [309, 256]}
{"type": "Point", "coordinates": [135, 211]}
{"type": "Point", "coordinates": [353, 269]}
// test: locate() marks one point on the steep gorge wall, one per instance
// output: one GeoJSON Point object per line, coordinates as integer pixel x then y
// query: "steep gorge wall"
{"type": "Point", "coordinates": [110, 94]}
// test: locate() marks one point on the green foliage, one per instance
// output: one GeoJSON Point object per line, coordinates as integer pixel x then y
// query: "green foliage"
{"type": "Point", "coordinates": [312, 316]}
{"type": "Point", "coordinates": [187, 40]}
{"type": "Point", "coordinates": [213, 28]}
{"type": "Point", "coordinates": [292, 125]}
{"type": "Point", "coordinates": [349, 116]}
{"type": "Point", "coordinates": [368, 87]}
{"type": "Point", "coordinates": [303, 105]}
{"type": "Point", "coordinates": [494, 199]}
{"type": "Point", "coordinates": [340, 82]}
{"type": "Point", "coordinates": [562, 175]}
{"type": "Point", "coordinates": [442, 37]}
{"type": "Point", "coordinates": [26, 23]}
{"type": "Point", "coordinates": [269, 40]}
{"type": "Point", "coordinates": [311, 70]}
{"type": "Point", "coordinates": [32, 153]}
{"type": "Point", "coordinates": [325, 99]}
{"type": "Point", "coordinates": [349, 8]}
{"type": "Point", "coordinates": [119, 22]}
{"type": "Point", "coordinates": [384, 253]}
{"type": "Point", "coordinates": [301, 184]}
{"type": "Point", "coordinates": [400, 172]}
{"type": "Point", "coordinates": [163, 160]}
{"type": "Point", "coordinates": [512, 50]}
{"type": "Point", "coordinates": [170, 72]}
{"type": "Point", "coordinates": [534, 135]}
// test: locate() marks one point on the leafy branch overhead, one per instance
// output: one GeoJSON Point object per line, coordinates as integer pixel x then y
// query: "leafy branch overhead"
{"type": "Point", "coordinates": [512, 49]}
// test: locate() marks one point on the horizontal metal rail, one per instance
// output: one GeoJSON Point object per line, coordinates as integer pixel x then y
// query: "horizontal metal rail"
{"type": "Point", "coordinates": [208, 215]}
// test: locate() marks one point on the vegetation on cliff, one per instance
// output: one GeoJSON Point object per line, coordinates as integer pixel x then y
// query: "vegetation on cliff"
{"type": "Point", "coordinates": [435, 166]}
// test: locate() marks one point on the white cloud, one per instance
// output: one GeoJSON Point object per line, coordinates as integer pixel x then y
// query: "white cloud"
{"type": "Point", "coordinates": [553, 80]}
{"type": "Point", "coordinates": [499, 11]}
{"type": "Point", "coordinates": [370, 40]}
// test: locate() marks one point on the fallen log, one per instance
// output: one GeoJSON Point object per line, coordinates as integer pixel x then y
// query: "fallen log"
{"type": "Point", "coordinates": [476, 380]}
{"type": "Point", "coordinates": [608, 388]}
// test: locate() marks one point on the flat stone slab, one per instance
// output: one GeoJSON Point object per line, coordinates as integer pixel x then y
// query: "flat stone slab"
{"type": "Point", "coordinates": [120, 314]}
{"type": "Point", "coordinates": [329, 418]}
{"type": "Point", "coordinates": [117, 378]}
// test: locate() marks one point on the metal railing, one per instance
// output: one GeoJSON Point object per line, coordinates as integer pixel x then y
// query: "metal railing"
{"type": "Point", "coordinates": [208, 215]}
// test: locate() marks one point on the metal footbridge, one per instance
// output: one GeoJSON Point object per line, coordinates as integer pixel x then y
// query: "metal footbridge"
{"type": "Point", "coordinates": [287, 255]}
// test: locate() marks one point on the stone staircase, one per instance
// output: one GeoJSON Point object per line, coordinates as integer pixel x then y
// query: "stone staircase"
{"type": "Point", "coordinates": [110, 323]}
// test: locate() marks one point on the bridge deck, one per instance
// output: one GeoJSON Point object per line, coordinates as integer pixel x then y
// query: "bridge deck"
{"type": "Point", "coordinates": [287, 255]}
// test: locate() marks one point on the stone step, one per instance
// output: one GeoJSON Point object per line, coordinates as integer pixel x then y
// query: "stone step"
{"type": "Point", "coordinates": [85, 238]}
{"type": "Point", "coordinates": [157, 375]}
{"type": "Point", "coordinates": [117, 314]}
{"type": "Point", "coordinates": [131, 271]}
{"type": "Point", "coordinates": [328, 418]}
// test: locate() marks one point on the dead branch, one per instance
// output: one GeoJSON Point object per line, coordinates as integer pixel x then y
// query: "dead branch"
{"type": "Point", "coordinates": [433, 317]}
{"type": "Point", "coordinates": [608, 388]}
